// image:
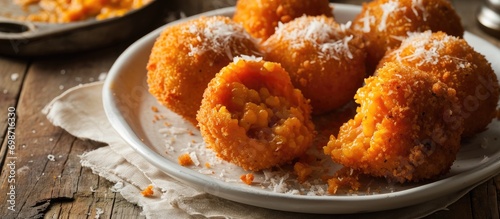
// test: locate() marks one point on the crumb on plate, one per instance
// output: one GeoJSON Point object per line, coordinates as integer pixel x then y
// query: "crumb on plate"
{"type": "Point", "coordinates": [303, 171]}
{"type": "Point", "coordinates": [247, 178]}
{"type": "Point", "coordinates": [344, 178]}
{"type": "Point", "coordinates": [185, 160]}
{"type": "Point", "coordinates": [155, 109]}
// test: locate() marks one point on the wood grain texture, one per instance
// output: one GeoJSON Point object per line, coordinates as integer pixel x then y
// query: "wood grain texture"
{"type": "Point", "coordinates": [459, 209]}
{"type": "Point", "coordinates": [12, 72]}
{"type": "Point", "coordinates": [49, 175]}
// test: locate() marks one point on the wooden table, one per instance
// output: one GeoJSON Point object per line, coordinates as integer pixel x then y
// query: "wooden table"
{"type": "Point", "coordinates": [63, 189]}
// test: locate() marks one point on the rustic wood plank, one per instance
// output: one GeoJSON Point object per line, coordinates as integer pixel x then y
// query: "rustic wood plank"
{"type": "Point", "coordinates": [12, 72]}
{"type": "Point", "coordinates": [47, 157]}
{"type": "Point", "coordinates": [94, 193]}
{"type": "Point", "coordinates": [496, 183]}
{"type": "Point", "coordinates": [484, 200]}
{"type": "Point", "coordinates": [96, 190]}
{"type": "Point", "coordinates": [124, 209]}
{"type": "Point", "coordinates": [459, 209]}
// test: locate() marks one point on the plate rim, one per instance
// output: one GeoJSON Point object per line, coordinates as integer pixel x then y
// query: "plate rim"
{"type": "Point", "coordinates": [296, 203]}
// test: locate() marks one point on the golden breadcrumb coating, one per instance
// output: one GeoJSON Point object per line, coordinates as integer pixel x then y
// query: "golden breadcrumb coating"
{"type": "Point", "coordinates": [187, 56]}
{"type": "Point", "coordinates": [260, 18]}
{"type": "Point", "coordinates": [454, 62]}
{"type": "Point", "coordinates": [407, 127]}
{"type": "Point", "coordinates": [384, 23]}
{"type": "Point", "coordinates": [253, 117]}
{"type": "Point", "coordinates": [344, 179]}
{"type": "Point", "coordinates": [325, 59]}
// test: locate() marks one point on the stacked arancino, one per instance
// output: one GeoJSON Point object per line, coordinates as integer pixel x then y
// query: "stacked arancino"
{"type": "Point", "coordinates": [407, 127]}
{"type": "Point", "coordinates": [187, 56]}
{"type": "Point", "coordinates": [257, 113]}
{"type": "Point", "coordinates": [260, 18]}
{"type": "Point", "coordinates": [424, 97]}
{"type": "Point", "coordinates": [430, 90]}
{"type": "Point", "coordinates": [456, 64]}
{"type": "Point", "coordinates": [384, 23]}
{"type": "Point", "coordinates": [324, 59]}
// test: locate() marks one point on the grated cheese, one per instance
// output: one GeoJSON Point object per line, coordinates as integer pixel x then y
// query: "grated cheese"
{"type": "Point", "coordinates": [387, 9]}
{"type": "Point", "coordinates": [367, 21]}
{"type": "Point", "coordinates": [418, 4]}
{"type": "Point", "coordinates": [14, 76]}
{"type": "Point", "coordinates": [173, 131]}
{"type": "Point", "coordinates": [329, 41]}
{"type": "Point", "coordinates": [206, 171]}
{"type": "Point", "coordinates": [216, 36]}
{"type": "Point", "coordinates": [194, 158]}
{"type": "Point", "coordinates": [280, 185]}
{"type": "Point", "coordinates": [398, 38]}
{"type": "Point", "coordinates": [247, 58]}
{"type": "Point", "coordinates": [427, 49]}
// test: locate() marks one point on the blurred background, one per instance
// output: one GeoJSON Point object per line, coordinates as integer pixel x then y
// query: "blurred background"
{"type": "Point", "coordinates": [469, 10]}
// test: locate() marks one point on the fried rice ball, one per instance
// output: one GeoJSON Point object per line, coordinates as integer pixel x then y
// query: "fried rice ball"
{"type": "Point", "coordinates": [407, 127]}
{"type": "Point", "coordinates": [186, 56]}
{"type": "Point", "coordinates": [384, 23]}
{"type": "Point", "coordinates": [459, 66]}
{"type": "Point", "coordinates": [260, 18]}
{"type": "Point", "coordinates": [325, 59]}
{"type": "Point", "coordinates": [253, 117]}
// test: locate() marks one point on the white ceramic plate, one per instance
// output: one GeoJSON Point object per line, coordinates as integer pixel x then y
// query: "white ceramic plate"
{"type": "Point", "coordinates": [128, 106]}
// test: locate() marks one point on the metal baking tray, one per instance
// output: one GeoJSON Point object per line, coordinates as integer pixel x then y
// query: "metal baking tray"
{"type": "Point", "coordinates": [19, 38]}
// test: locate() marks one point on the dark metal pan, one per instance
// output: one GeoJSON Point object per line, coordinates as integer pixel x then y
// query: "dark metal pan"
{"type": "Point", "coordinates": [35, 38]}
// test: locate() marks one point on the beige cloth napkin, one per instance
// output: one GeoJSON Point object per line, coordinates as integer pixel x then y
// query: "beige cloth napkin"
{"type": "Point", "coordinates": [80, 112]}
